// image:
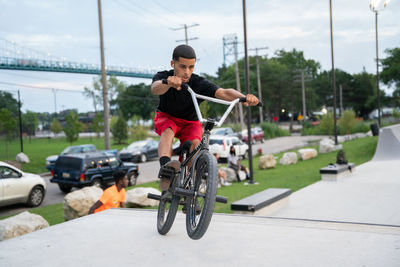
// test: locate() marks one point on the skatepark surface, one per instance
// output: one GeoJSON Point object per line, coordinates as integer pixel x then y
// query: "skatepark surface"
{"type": "Point", "coordinates": [351, 222]}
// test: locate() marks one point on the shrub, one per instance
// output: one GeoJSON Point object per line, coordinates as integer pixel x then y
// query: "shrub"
{"type": "Point", "coordinates": [120, 129]}
{"type": "Point", "coordinates": [326, 124]}
{"type": "Point", "coordinates": [347, 122]}
{"type": "Point", "coordinates": [139, 132]}
{"type": "Point", "coordinates": [272, 130]}
{"type": "Point", "coordinates": [360, 127]}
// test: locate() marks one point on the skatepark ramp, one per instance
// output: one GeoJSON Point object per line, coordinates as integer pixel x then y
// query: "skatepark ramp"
{"type": "Point", "coordinates": [388, 147]}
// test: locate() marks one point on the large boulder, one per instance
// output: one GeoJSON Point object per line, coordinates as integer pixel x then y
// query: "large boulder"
{"type": "Point", "coordinates": [231, 175]}
{"type": "Point", "coordinates": [327, 145]}
{"type": "Point", "coordinates": [288, 158]}
{"type": "Point", "coordinates": [78, 203]}
{"type": "Point", "coordinates": [267, 162]}
{"type": "Point", "coordinates": [137, 197]}
{"type": "Point", "coordinates": [22, 158]}
{"type": "Point", "coordinates": [21, 224]}
{"type": "Point", "coordinates": [307, 153]}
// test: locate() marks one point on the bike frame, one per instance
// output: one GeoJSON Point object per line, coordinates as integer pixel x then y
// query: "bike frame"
{"type": "Point", "coordinates": [202, 147]}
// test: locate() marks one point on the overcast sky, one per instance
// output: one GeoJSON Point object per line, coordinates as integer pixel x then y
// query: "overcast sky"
{"type": "Point", "coordinates": [139, 34]}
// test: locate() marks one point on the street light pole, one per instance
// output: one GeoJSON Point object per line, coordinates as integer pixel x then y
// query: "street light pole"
{"type": "Point", "coordinates": [246, 70]}
{"type": "Point", "coordinates": [375, 8]}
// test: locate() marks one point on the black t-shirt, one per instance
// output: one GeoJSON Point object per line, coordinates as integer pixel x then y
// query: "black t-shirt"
{"type": "Point", "coordinates": [179, 104]}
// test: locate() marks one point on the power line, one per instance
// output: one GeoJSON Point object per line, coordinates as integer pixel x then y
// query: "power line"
{"type": "Point", "coordinates": [38, 87]}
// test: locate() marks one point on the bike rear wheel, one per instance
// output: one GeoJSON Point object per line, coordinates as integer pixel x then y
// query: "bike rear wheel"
{"type": "Point", "coordinates": [200, 207]}
{"type": "Point", "coordinates": [167, 209]}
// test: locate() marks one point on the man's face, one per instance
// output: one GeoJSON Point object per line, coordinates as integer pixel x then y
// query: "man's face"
{"type": "Point", "coordinates": [183, 68]}
{"type": "Point", "coordinates": [125, 181]}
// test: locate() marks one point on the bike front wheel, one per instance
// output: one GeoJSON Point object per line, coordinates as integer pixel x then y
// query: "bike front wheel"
{"type": "Point", "coordinates": [200, 207]}
{"type": "Point", "coordinates": [167, 209]}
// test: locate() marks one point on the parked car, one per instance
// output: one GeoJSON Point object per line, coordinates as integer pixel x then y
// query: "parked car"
{"type": "Point", "coordinates": [80, 170]}
{"type": "Point", "coordinates": [223, 131]}
{"type": "Point", "coordinates": [140, 151]}
{"type": "Point", "coordinates": [17, 186]}
{"type": "Point", "coordinates": [257, 135]}
{"type": "Point", "coordinates": [221, 144]}
{"type": "Point", "coordinates": [87, 148]}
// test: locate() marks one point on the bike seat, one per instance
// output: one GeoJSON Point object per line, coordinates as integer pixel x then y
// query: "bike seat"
{"type": "Point", "coordinates": [184, 148]}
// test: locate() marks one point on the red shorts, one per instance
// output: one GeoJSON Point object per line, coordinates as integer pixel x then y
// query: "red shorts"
{"type": "Point", "coordinates": [184, 130]}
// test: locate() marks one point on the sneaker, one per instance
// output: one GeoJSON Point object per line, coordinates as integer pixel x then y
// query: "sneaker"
{"type": "Point", "coordinates": [226, 184]}
{"type": "Point", "coordinates": [167, 172]}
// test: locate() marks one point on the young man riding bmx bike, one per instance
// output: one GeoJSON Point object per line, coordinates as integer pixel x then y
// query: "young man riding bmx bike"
{"type": "Point", "coordinates": [175, 114]}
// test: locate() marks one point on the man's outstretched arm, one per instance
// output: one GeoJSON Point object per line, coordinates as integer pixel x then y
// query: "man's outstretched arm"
{"type": "Point", "coordinates": [232, 94]}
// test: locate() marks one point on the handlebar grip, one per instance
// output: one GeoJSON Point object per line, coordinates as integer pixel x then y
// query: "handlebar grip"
{"type": "Point", "coordinates": [184, 86]}
{"type": "Point", "coordinates": [243, 99]}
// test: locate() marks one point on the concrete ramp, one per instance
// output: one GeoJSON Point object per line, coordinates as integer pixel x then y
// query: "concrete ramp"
{"type": "Point", "coordinates": [388, 143]}
{"type": "Point", "coordinates": [128, 237]}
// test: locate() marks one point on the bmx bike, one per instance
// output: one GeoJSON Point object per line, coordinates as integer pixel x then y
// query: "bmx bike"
{"type": "Point", "coordinates": [194, 187]}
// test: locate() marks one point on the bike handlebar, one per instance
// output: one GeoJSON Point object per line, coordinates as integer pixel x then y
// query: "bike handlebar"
{"type": "Point", "coordinates": [185, 86]}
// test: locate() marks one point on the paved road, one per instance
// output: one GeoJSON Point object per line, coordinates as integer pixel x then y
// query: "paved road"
{"type": "Point", "coordinates": [149, 170]}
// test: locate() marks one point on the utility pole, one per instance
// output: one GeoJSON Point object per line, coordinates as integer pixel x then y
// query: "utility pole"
{"type": "Point", "coordinates": [230, 47]}
{"type": "Point", "coordinates": [20, 123]}
{"type": "Point", "coordinates": [333, 76]}
{"type": "Point", "coordinates": [259, 80]}
{"type": "Point", "coordinates": [104, 82]}
{"type": "Point", "coordinates": [303, 91]}
{"type": "Point", "coordinates": [185, 27]}
{"type": "Point", "coordinates": [341, 100]}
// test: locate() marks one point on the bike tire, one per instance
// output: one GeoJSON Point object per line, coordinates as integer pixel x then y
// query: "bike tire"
{"type": "Point", "coordinates": [166, 214]}
{"type": "Point", "coordinates": [205, 184]}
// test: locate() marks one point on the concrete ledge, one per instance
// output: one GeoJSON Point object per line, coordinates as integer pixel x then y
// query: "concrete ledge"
{"type": "Point", "coordinates": [336, 172]}
{"type": "Point", "coordinates": [262, 203]}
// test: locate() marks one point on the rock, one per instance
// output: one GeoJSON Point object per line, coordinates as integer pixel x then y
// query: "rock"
{"type": "Point", "coordinates": [267, 162]}
{"type": "Point", "coordinates": [231, 175]}
{"type": "Point", "coordinates": [137, 197]}
{"type": "Point", "coordinates": [22, 158]}
{"type": "Point", "coordinates": [288, 158]}
{"type": "Point", "coordinates": [327, 145]}
{"type": "Point", "coordinates": [78, 203]}
{"type": "Point", "coordinates": [307, 153]}
{"type": "Point", "coordinates": [21, 224]}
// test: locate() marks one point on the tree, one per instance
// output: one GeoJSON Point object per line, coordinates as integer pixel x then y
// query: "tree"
{"type": "Point", "coordinates": [98, 124]}
{"type": "Point", "coordinates": [137, 100]}
{"type": "Point", "coordinates": [96, 92]}
{"type": "Point", "coordinates": [56, 126]}
{"type": "Point", "coordinates": [119, 129]}
{"type": "Point", "coordinates": [390, 74]}
{"type": "Point", "coordinates": [7, 126]}
{"type": "Point", "coordinates": [72, 126]}
{"type": "Point", "coordinates": [364, 93]}
{"type": "Point", "coordinates": [7, 101]}
{"type": "Point", "coordinates": [30, 123]}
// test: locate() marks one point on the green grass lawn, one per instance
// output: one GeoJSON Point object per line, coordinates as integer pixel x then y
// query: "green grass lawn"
{"type": "Point", "coordinates": [39, 149]}
{"type": "Point", "coordinates": [294, 177]}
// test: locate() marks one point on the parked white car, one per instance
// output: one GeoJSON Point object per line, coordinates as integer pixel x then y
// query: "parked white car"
{"type": "Point", "coordinates": [221, 144]}
{"type": "Point", "coordinates": [17, 186]}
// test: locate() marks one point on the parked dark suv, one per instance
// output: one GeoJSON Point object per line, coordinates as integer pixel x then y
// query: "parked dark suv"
{"type": "Point", "coordinates": [79, 170]}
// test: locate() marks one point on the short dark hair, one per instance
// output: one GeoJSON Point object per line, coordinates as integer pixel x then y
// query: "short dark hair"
{"type": "Point", "coordinates": [119, 175]}
{"type": "Point", "coordinates": [184, 51]}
